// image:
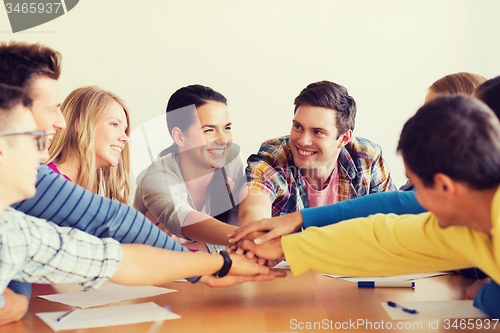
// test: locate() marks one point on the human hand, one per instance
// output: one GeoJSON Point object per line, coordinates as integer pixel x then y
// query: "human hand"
{"type": "Point", "coordinates": [472, 290]}
{"type": "Point", "coordinates": [271, 250]}
{"type": "Point", "coordinates": [230, 280]}
{"type": "Point", "coordinates": [15, 307]}
{"type": "Point", "coordinates": [276, 227]}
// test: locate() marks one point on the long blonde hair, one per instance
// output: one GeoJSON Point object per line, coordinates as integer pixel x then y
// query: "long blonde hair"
{"type": "Point", "coordinates": [85, 106]}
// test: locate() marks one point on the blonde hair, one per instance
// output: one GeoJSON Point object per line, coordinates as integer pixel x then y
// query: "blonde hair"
{"type": "Point", "coordinates": [86, 105]}
{"type": "Point", "coordinates": [462, 82]}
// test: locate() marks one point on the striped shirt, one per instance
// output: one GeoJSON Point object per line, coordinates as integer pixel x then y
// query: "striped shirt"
{"type": "Point", "coordinates": [67, 204]}
{"type": "Point", "coordinates": [34, 250]}
{"type": "Point", "coordinates": [361, 168]}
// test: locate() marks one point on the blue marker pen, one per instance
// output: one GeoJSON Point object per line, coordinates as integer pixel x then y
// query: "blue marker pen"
{"type": "Point", "coordinates": [397, 306]}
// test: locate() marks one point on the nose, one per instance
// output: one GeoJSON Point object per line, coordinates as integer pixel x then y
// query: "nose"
{"type": "Point", "coordinates": [124, 138]}
{"type": "Point", "coordinates": [59, 121]}
{"type": "Point", "coordinates": [223, 138]}
{"type": "Point", "coordinates": [305, 139]}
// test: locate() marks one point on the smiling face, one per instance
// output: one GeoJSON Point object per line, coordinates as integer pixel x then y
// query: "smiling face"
{"type": "Point", "coordinates": [209, 138]}
{"type": "Point", "coordinates": [313, 138]}
{"type": "Point", "coordinates": [46, 106]}
{"type": "Point", "coordinates": [20, 157]}
{"type": "Point", "coordinates": [110, 135]}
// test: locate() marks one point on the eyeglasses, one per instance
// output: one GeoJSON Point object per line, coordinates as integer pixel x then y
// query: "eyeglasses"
{"type": "Point", "coordinates": [40, 136]}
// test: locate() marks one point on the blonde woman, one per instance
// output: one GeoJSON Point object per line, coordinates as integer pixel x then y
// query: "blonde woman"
{"type": "Point", "coordinates": [92, 150]}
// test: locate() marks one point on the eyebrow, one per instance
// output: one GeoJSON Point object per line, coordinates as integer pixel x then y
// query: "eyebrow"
{"type": "Point", "coordinates": [314, 128]}
{"type": "Point", "coordinates": [214, 126]}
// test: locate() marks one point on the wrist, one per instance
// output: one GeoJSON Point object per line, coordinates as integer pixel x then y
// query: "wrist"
{"type": "Point", "coordinates": [226, 266]}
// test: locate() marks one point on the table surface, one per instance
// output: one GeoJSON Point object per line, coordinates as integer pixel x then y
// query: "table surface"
{"type": "Point", "coordinates": [268, 306]}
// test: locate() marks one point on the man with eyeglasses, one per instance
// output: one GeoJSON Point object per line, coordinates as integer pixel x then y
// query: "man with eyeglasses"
{"type": "Point", "coordinates": [35, 69]}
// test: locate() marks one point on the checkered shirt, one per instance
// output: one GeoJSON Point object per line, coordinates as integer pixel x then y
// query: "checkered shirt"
{"type": "Point", "coordinates": [362, 170]}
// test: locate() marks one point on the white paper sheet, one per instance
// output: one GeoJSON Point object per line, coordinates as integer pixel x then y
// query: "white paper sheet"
{"type": "Point", "coordinates": [435, 310]}
{"type": "Point", "coordinates": [105, 295]}
{"type": "Point", "coordinates": [107, 316]}
{"type": "Point", "coordinates": [406, 277]}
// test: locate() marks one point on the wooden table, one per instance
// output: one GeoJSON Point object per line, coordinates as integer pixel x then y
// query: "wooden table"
{"type": "Point", "coordinates": [276, 306]}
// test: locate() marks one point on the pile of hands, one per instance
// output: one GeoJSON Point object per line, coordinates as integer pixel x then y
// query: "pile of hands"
{"type": "Point", "coordinates": [258, 242]}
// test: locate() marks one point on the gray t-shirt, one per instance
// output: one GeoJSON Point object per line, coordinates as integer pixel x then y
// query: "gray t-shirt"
{"type": "Point", "coordinates": [163, 192]}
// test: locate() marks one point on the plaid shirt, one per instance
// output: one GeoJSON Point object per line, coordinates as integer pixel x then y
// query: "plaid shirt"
{"type": "Point", "coordinates": [34, 250]}
{"type": "Point", "coordinates": [362, 170]}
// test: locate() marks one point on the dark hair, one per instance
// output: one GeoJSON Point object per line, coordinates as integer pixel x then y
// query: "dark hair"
{"type": "Point", "coordinates": [489, 93]}
{"type": "Point", "coordinates": [333, 96]}
{"type": "Point", "coordinates": [21, 63]}
{"type": "Point", "coordinates": [455, 135]}
{"type": "Point", "coordinates": [181, 108]}
{"type": "Point", "coordinates": [9, 98]}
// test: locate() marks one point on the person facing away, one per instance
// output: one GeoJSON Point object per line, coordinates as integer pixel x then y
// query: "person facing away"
{"type": "Point", "coordinates": [195, 185]}
{"type": "Point", "coordinates": [93, 150]}
{"type": "Point", "coordinates": [319, 163]}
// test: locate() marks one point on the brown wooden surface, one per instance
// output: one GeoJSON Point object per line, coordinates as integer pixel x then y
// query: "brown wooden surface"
{"type": "Point", "coordinates": [268, 306]}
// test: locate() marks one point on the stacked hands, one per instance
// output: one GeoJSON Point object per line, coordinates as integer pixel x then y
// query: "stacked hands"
{"type": "Point", "coordinates": [243, 269]}
{"type": "Point", "coordinates": [262, 239]}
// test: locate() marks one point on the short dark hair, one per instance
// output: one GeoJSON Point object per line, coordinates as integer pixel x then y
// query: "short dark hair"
{"type": "Point", "coordinates": [21, 63]}
{"type": "Point", "coordinates": [196, 95]}
{"type": "Point", "coordinates": [333, 96]}
{"type": "Point", "coordinates": [185, 115]}
{"type": "Point", "coordinates": [489, 93]}
{"type": "Point", "coordinates": [455, 135]}
{"type": "Point", "coordinates": [10, 97]}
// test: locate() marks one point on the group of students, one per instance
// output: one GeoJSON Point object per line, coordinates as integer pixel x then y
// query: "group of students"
{"type": "Point", "coordinates": [199, 192]}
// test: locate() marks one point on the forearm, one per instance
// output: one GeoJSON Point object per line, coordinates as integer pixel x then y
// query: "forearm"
{"type": "Point", "coordinates": [387, 202]}
{"type": "Point", "coordinates": [144, 265]}
{"type": "Point", "coordinates": [383, 245]}
{"type": "Point", "coordinates": [209, 231]}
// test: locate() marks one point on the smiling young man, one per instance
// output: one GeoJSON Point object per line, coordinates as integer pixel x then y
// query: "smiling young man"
{"type": "Point", "coordinates": [319, 163]}
{"type": "Point", "coordinates": [451, 151]}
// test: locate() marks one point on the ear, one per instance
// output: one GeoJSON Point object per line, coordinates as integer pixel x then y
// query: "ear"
{"type": "Point", "coordinates": [178, 136]}
{"type": "Point", "coordinates": [77, 125]}
{"type": "Point", "coordinates": [345, 138]}
{"type": "Point", "coordinates": [445, 185]}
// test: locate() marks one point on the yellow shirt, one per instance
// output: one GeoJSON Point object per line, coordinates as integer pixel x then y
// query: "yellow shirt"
{"type": "Point", "coordinates": [382, 245]}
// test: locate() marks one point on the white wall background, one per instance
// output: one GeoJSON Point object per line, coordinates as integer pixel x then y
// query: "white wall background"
{"type": "Point", "coordinates": [260, 54]}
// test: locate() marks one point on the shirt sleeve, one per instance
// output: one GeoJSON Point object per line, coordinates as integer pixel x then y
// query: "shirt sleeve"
{"type": "Point", "coordinates": [34, 250]}
{"type": "Point", "coordinates": [20, 288]}
{"type": "Point", "coordinates": [487, 299]}
{"type": "Point", "coordinates": [380, 180]}
{"type": "Point", "coordinates": [269, 170]}
{"type": "Point", "coordinates": [386, 202]}
{"type": "Point", "coordinates": [67, 204]}
{"type": "Point", "coordinates": [164, 196]}
{"type": "Point", "coordinates": [382, 245]}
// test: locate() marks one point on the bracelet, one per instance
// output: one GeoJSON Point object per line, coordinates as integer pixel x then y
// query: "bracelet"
{"type": "Point", "coordinates": [226, 266]}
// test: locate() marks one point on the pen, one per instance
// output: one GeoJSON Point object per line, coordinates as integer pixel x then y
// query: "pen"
{"type": "Point", "coordinates": [397, 306]}
{"type": "Point", "coordinates": [386, 284]}
{"type": "Point", "coordinates": [66, 314]}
